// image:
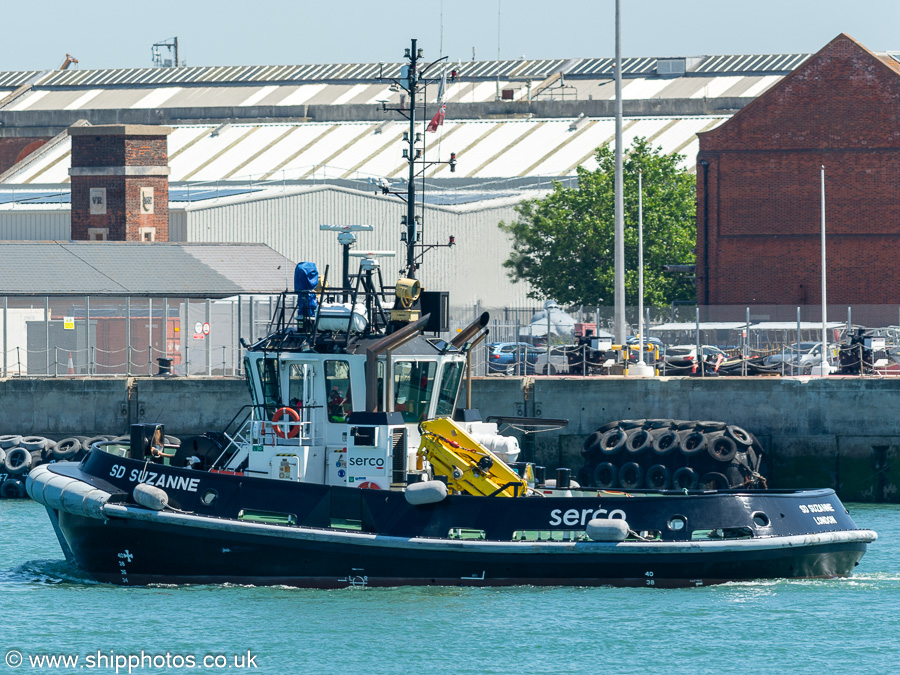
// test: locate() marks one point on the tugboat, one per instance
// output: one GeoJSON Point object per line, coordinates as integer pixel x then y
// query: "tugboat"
{"type": "Point", "coordinates": [354, 465]}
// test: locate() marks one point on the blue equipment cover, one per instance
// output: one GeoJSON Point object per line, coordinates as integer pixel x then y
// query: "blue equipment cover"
{"type": "Point", "coordinates": [306, 278]}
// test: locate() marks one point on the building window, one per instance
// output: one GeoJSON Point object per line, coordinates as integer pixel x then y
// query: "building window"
{"type": "Point", "coordinates": [98, 233]}
{"type": "Point", "coordinates": [148, 234]}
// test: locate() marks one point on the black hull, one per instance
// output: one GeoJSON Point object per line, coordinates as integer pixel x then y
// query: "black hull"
{"type": "Point", "coordinates": [139, 552]}
{"type": "Point", "coordinates": [342, 537]}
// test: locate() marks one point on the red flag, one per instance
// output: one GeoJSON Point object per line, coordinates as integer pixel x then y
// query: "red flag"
{"type": "Point", "coordinates": [438, 119]}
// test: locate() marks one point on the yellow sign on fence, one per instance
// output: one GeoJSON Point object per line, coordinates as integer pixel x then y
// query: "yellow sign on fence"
{"type": "Point", "coordinates": [69, 323]}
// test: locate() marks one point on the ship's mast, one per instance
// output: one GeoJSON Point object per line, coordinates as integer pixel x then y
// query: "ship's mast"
{"type": "Point", "coordinates": [411, 229]}
{"type": "Point", "coordinates": [412, 78]}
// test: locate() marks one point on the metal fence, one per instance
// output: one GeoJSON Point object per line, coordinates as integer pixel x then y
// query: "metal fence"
{"type": "Point", "coordinates": [98, 336]}
{"type": "Point", "coordinates": [751, 333]}
{"type": "Point", "coordinates": [115, 336]}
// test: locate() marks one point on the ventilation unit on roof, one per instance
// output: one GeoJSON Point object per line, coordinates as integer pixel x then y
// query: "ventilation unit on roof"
{"type": "Point", "coordinates": [670, 67]}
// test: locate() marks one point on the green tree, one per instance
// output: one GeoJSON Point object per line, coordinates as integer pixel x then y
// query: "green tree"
{"type": "Point", "coordinates": [563, 244]}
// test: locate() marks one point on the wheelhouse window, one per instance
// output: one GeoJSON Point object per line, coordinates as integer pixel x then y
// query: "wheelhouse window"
{"type": "Point", "coordinates": [380, 384]}
{"type": "Point", "coordinates": [413, 384]}
{"type": "Point", "coordinates": [268, 382]}
{"type": "Point", "coordinates": [296, 377]}
{"type": "Point", "coordinates": [451, 376]}
{"type": "Point", "coordinates": [337, 386]}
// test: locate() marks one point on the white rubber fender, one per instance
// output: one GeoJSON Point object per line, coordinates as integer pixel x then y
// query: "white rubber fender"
{"type": "Point", "coordinates": [150, 496]}
{"type": "Point", "coordinates": [65, 494]}
{"type": "Point", "coordinates": [607, 529]}
{"type": "Point", "coordinates": [427, 492]}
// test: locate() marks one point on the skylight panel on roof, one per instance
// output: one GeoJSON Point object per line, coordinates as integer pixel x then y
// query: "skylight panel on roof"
{"type": "Point", "coordinates": [258, 95]}
{"type": "Point", "coordinates": [25, 102]}
{"type": "Point", "coordinates": [301, 94]}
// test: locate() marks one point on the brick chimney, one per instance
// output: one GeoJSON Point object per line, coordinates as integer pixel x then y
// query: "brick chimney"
{"type": "Point", "coordinates": [120, 183]}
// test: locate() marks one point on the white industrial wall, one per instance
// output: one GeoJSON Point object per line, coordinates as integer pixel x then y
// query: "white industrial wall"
{"type": "Point", "coordinates": [17, 224]}
{"type": "Point", "coordinates": [289, 223]}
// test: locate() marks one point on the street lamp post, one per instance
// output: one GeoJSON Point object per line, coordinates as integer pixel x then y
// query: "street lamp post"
{"type": "Point", "coordinates": [641, 369]}
{"type": "Point", "coordinates": [823, 368]}
{"type": "Point", "coordinates": [619, 244]}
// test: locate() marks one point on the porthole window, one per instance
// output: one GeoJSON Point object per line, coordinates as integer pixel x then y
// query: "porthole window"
{"type": "Point", "coordinates": [677, 523]}
{"type": "Point", "coordinates": [209, 497]}
{"type": "Point", "coordinates": [760, 519]}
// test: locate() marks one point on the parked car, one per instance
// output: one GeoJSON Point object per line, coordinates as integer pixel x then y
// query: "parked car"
{"type": "Point", "coordinates": [800, 357]}
{"type": "Point", "coordinates": [556, 362]}
{"type": "Point", "coordinates": [685, 356]}
{"type": "Point", "coordinates": [633, 352]}
{"type": "Point", "coordinates": [512, 358]}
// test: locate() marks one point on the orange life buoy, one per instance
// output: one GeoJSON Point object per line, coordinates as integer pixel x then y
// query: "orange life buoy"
{"type": "Point", "coordinates": [369, 485]}
{"type": "Point", "coordinates": [276, 418]}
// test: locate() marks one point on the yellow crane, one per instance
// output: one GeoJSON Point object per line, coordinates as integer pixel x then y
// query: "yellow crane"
{"type": "Point", "coordinates": [469, 467]}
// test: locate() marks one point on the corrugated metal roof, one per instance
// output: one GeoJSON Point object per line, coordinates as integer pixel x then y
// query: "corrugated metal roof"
{"type": "Point", "coordinates": [16, 78]}
{"type": "Point", "coordinates": [757, 63]}
{"type": "Point", "coordinates": [517, 69]}
{"type": "Point", "coordinates": [133, 268]}
{"type": "Point", "coordinates": [485, 149]}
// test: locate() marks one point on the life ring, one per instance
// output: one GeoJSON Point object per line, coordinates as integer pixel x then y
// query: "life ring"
{"type": "Point", "coordinates": [369, 485]}
{"type": "Point", "coordinates": [276, 418]}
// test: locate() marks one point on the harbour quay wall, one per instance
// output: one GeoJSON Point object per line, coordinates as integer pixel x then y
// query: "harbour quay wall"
{"type": "Point", "coordinates": [60, 407]}
{"type": "Point", "coordinates": [836, 432]}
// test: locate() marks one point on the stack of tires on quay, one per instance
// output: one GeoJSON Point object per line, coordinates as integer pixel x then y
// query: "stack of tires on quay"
{"type": "Point", "coordinates": [665, 454]}
{"type": "Point", "coordinates": [20, 454]}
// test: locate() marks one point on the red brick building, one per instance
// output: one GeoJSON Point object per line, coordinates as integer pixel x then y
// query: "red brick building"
{"type": "Point", "coordinates": [120, 183]}
{"type": "Point", "coordinates": [758, 187]}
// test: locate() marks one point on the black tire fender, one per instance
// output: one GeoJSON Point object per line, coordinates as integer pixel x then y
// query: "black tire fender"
{"type": "Point", "coordinates": [66, 449]}
{"type": "Point", "coordinates": [722, 448]}
{"type": "Point", "coordinates": [605, 475]}
{"type": "Point", "coordinates": [12, 488]}
{"type": "Point", "coordinates": [89, 443]}
{"type": "Point", "coordinates": [10, 441]}
{"type": "Point", "coordinates": [631, 476]}
{"type": "Point", "coordinates": [18, 461]}
{"type": "Point", "coordinates": [591, 441]}
{"type": "Point", "coordinates": [612, 442]}
{"type": "Point", "coordinates": [710, 425]}
{"type": "Point", "coordinates": [739, 435]}
{"type": "Point", "coordinates": [714, 481]}
{"type": "Point", "coordinates": [658, 477]}
{"type": "Point", "coordinates": [33, 442]}
{"type": "Point", "coordinates": [691, 442]}
{"type": "Point", "coordinates": [603, 428]}
{"type": "Point", "coordinates": [685, 478]}
{"type": "Point", "coordinates": [639, 441]}
{"type": "Point", "coordinates": [665, 441]}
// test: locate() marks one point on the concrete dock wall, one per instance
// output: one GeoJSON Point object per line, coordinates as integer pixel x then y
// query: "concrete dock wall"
{"type": "Point", "coordinates": [57, 407]}
{"type": "Point", "coordinates": [840, 432]}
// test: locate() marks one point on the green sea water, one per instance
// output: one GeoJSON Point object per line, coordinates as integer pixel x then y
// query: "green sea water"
{"type": "Point", "coordinates": [47, 608]}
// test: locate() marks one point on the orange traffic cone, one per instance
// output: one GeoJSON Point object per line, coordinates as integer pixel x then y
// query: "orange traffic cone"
{"type": "Point", "coordinates": [71, 370]}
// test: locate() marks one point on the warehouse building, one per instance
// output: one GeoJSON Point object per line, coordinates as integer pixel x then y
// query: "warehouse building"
{"type": "Point", "coordinates": [267, 154]}
{"type": "Point", "coordinates": [759, 187]}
